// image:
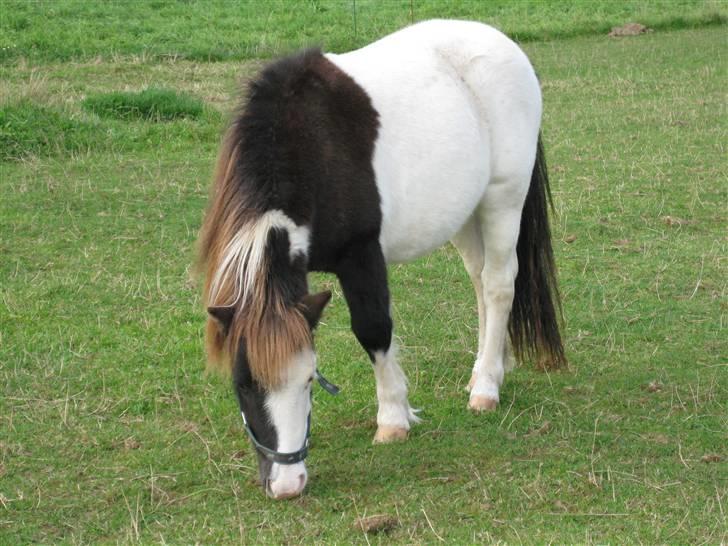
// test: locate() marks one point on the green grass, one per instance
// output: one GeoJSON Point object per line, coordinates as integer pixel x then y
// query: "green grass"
{"type": "Point", "coordinates": [63, 30]}
{"type": "Point", "coordinates": [110, 431]}
{"type": "Point", "coordinates": [28, 129]}
{"type": "Point", "coordinates": [149, 104]}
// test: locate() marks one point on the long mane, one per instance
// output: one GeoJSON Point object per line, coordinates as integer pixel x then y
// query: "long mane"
{"type": "Point", "coordinates": [234, 246]}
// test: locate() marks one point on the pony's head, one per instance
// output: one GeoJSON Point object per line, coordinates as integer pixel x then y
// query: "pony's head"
{"type": "Point", "coordinates": [273, 386]}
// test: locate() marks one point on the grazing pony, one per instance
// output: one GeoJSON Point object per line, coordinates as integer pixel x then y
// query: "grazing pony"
{"type": "Point", "coordinates": [346, 163]}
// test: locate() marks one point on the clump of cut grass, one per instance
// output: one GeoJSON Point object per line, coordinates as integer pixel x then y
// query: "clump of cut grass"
{"type": "Point", "coordinates": [150, 105]}
{"type": "Point", "coordinates": [28, 129]}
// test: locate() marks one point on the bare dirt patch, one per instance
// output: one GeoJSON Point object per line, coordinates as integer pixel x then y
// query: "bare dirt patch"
{"type": "Point", "coordinates": [629, 29]}
{"type": "Point", "coordinates": [376, 524]}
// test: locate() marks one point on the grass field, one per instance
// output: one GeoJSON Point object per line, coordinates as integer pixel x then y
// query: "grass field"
{"type": "Point", "coordinates": [215, 30]}
{"type": "Point", "coordinates": [111, 432]}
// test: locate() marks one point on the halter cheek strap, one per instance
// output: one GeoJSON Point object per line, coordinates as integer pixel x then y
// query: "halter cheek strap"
{"type": "Point", "coordinates": [326, 384]}
{"type": "Point", "coordinates": [295, 456]}
{"type": "Point", "coordinates": [276, 456]}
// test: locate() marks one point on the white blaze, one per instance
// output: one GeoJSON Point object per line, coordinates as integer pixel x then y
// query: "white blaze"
{"type": "Point", "coordinates": [289, 408]}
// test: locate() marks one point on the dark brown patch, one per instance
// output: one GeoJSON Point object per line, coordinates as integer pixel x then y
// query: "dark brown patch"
{"type": "Point", "coordinates": [674, 221]}
{"type": "Point", "coordinates": [711, 458]}
{"type": "Point", "coordinates": [542, 429]}
{"type": "Point", "coordinates": [653, 386]}
{"type": "Point", "coordinates": [376, 524]}
{"type": "Point", "coordinates": [629, 29]}
{"type": "Point", "coordinates": [131, 443]}
{"type": "Point", "coordinates": [189, 427]}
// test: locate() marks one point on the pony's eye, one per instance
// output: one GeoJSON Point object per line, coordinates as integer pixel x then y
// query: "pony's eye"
{"type": "Point", "coordinates": [310, 380]}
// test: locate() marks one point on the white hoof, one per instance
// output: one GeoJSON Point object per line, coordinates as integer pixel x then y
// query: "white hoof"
{"type": "Point", "coordinates": [482, 403]}
{"type": "Point", "coordinates": [387, 434]}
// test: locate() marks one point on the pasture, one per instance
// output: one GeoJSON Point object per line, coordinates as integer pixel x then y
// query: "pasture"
{"type": "Point", "coordinates": [111, 432]}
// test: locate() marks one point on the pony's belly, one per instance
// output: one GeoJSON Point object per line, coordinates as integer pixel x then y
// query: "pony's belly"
{"type": "Point", "coordinates": [416, 227]}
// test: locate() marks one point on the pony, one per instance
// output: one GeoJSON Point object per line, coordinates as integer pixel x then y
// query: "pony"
{"type": "Point", "coordinates": [345, 163]}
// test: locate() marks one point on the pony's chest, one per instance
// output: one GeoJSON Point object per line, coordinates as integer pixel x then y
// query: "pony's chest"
{"type": "Point", "coordinates": [420, 213]}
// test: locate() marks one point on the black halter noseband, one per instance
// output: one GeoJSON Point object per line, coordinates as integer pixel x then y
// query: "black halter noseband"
{"type": "Point", "coordinates": [296, 456]}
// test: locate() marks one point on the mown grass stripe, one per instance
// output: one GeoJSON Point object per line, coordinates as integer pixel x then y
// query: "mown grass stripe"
{"type": "Point", "coordinates": [64, 30]}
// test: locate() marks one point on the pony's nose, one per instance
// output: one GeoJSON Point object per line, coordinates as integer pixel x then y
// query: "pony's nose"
{"type": "Point", "coordinates": [287, 488]}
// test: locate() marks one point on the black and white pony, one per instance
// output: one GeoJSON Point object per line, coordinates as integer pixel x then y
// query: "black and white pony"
{"type": "Point", "coordinates": [346, 163]}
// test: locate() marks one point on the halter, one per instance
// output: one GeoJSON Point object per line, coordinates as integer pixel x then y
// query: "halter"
{"type": "Point", "coordinates": [295, 456]}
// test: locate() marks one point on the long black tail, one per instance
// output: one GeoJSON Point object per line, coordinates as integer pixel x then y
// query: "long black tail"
{"type": "Point", "coordinates": [534, 320]}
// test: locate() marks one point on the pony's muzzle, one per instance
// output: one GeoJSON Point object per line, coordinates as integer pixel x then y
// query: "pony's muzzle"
{"type": "Point", "coordinates": [288, 483]}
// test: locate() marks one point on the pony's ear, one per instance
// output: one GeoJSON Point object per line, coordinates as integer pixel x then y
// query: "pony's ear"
{"type": "Point", "coordinates": [312, 306]}
{"type": "Point", "coordinates": [223, 316]}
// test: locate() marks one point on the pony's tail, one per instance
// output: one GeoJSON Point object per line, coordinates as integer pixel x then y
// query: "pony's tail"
{"type": "Point", "coordinates": [534, 321]}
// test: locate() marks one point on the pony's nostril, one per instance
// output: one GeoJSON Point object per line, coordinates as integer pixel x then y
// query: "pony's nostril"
{"type": "Point", "coordinates": [301, 482]}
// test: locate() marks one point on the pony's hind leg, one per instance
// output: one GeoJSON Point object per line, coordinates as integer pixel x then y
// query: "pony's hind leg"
{"type": "Point", "coordinates": [363, 277]}
{"type": "Point", "coordinates": [469, 243]}
{"type": "Point", "coordinates": [499, 215]}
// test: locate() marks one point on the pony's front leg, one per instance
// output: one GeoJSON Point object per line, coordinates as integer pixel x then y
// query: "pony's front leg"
{"type": "Point", "coordinates": [395, 415]}
{"type": "Point", "coordinates": [363, 276]}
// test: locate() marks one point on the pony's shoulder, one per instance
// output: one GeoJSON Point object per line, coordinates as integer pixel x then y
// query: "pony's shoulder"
{"type": "Point", "coordinates": [284, 76]}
